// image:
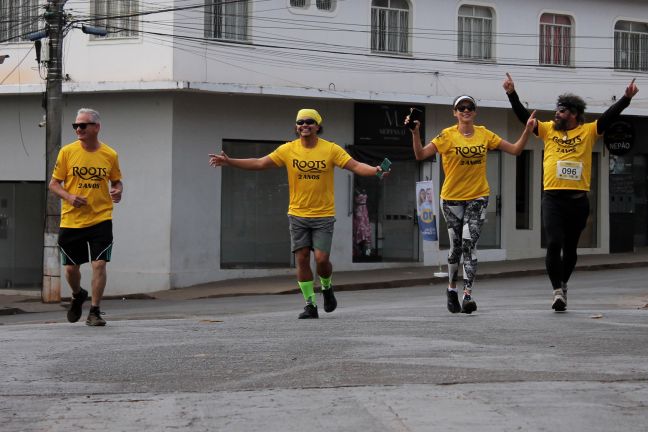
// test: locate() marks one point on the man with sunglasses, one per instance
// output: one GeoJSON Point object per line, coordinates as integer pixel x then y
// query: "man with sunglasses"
{"type": "Point", "coordinates": [568, 145]}
{"type": "Point", "coordinates": [87, 178]}
{"type": "Point", "coordinates": [310, 162]}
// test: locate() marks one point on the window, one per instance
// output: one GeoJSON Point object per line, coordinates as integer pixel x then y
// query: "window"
{"type": "Point", "coordinates": [475, 32]}
{"type": "Point", "coordinates": [298, 3]}
{"type": "Point", "coordinates": [18, 18]}
{"type": "Point", "coordinates": [631, 46]}
{"type": "Point", "coordinates": [119, 17]}
{"type": "Point", "coordinates": [227, 20]}
{"type": "Point", "coordinates": [325, 5]}
{"type": "Point", "coordinates": [389, 26]}
{"type": "Point", "coordinates": [254, 227]}
{"type": "Point", "coordinates": [555, 40]}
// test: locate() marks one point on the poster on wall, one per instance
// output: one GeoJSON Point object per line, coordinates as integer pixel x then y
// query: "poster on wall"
{"type": "Point", "coordinates": [426, 210]}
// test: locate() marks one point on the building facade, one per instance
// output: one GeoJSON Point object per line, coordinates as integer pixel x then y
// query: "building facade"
{"type": "Point", "coordinates": [177, 81]}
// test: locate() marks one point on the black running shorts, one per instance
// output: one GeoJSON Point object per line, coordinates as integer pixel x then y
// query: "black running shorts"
{"type": "Point", "coordinates": [74, 243]}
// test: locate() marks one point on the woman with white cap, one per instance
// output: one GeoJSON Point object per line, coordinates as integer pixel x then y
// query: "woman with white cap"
{"type": "Point", "coordinates": [465, 191]}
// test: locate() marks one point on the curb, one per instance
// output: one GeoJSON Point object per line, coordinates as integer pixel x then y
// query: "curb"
{"type": "Point", "coordinates": [354, 286]}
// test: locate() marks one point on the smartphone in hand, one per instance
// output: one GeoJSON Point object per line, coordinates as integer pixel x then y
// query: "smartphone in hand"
{"type": "Point", "coordinates": [384, 166]}
{"type": "Point", "coordinates": [415, 114]}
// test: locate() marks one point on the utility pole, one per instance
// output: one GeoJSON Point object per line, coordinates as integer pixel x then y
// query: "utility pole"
{"type": "Point", "coordinates": [55, 18]}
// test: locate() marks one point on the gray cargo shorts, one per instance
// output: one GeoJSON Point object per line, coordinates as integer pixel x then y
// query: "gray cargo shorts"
{"type": "Point", "coordinates": [313, 233]}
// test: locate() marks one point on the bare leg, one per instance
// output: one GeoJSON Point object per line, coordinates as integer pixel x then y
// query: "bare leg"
{"type": "Point", "coordinates": [73, 277]}
{"type": "Point", "coordinates": [99, 278]}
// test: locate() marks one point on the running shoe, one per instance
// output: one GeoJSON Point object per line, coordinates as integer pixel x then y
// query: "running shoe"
{"type": "Point", "coordinates": [453, 302]}
{"type": "Point", "coordinates": [74, 313]}
{"type": "Point", "coordinates": [468, 305]}
{"type": "Point", "coordinates": [564, 289]}
{"type": "Point", "coordinates": [559, 303]}
{"type": "Point", "coordinates": [310, 312]}
{"type": "Point", "coordinates": [94, 318]}
{"type": "Point", "coordinates": [330, 303]}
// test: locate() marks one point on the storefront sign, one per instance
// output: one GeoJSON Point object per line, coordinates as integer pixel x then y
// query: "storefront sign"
{"type": "Point", "coordinates": [619, 138]}
{"type": "Point", "coordinates": [382, 124]}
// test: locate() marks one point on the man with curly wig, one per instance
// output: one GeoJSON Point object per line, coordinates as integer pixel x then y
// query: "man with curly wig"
{"type": "Point", "coordinates": [568, 144]}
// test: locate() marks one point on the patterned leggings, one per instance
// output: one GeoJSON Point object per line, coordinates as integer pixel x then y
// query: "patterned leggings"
{"type": "Point", "coordinates": [464, 220]}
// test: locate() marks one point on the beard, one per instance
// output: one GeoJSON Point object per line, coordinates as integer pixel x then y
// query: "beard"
{"type": "Point", "coordinates": [560, 124]}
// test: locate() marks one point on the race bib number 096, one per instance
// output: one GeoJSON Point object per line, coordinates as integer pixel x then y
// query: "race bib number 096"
{"type": "Point", "coordinates": [569, 170]}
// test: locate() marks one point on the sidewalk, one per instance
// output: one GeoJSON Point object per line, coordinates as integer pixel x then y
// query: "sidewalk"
{"type": "Point", "coordinates": [344, 280]}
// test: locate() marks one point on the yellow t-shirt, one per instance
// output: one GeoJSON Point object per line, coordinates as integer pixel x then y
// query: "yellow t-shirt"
{"type": "Point", "coordinates": [87, 174]}
{"type": "Point", "coordinates": [464, 162]}
{"type": "Point", "coordinates": [567, 156]}
{"type": "Point", "coordinates": [311, 176]}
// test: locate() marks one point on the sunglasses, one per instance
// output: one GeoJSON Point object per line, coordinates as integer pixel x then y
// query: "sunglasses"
{"type": "Point", "coordinates": [81, 126]}
{"type": "Point", "coordinates": [562, 110]}
{"type": "Point", "coordinates": [305, 121]}
{"type": "Point", "coordinates": [464, 108]}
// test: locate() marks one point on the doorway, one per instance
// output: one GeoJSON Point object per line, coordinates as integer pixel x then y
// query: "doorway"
{"type": "Point", "coordinates": [22, 215]}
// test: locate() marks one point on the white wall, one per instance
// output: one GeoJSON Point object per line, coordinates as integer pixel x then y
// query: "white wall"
{"type": "Point", "coordinates": [22, 142]}
{"type": "Point", "coordinates": [201, 124]}
{"type": "Point", "coordinates": [139, 127]}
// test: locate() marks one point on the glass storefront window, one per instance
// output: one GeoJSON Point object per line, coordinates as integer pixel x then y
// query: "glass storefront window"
{"type": "Point", "coordinates": [254, 225]}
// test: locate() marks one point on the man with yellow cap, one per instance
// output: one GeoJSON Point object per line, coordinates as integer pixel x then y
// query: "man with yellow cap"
{"type": "Point", "coordinates": [309, 161]}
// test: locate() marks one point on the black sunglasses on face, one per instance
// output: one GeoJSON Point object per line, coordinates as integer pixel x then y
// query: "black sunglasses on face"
{"type": "Point", "coordinates": [562, 110]}
{"type": "Point", "coordinates": [464, 108]}
{"type": "Point", "coordinates": [81, 126]}
{"type": "Point", "coordinates": [305, 121]}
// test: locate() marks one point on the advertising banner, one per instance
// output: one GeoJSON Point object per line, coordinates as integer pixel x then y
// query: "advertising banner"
{"type": "Point", "coordinates": [426, 210]}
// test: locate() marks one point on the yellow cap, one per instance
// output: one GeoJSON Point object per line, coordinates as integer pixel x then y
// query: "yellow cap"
{"type": "Point", "coordinates": [309, 113]}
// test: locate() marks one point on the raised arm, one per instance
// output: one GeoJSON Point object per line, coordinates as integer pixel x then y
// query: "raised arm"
{"type": "Point", "coordinates": [251, 164]}
{"type": "Point", "coordinates": [420, 152]}
{"type": "Point", "coordinates": [612, 113]}
{"type": "Point", "coordinates": [520, 111]}
{"type": "Point", "coordinates": [517, 147]}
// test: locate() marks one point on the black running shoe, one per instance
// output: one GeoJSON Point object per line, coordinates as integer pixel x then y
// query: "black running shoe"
{"type": "Point", "coordinates": [310, 312]}
{"type": "Point", "coordinates": [329, 300]}
{"type": "Point", "coordinates": [453, 302]}
{"type": "Point", "coordinates": [468, 305]}
{"type": "Point", "coordinates": [74, 313]}
{"type": "Point", "coordinates": [94, 318]}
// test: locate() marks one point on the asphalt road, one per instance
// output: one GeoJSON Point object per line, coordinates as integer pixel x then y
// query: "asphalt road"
{"type": "Point", "coordinates": [386, 360]}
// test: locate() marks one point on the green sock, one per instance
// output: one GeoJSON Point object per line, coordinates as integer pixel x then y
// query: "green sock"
{"type": "Point", "coordinates": [326, 282]}
{"type": "Point", "coordinates": [308, 291]}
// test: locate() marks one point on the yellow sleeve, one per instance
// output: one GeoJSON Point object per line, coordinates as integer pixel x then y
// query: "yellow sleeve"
{"type": "Point", "coordinates": [494, 140]}
{"type": "Point", "coordinates": [440, 142]}
{"type": "Point", "coordinates": [278, 156]}
{"type": "Point", "coordinates": [115, 171]}
{"type": "Point", "coordinates": [543, 129]}
{"type": "Point", "coordinates": [340, 156]}
{"type": "Point", "coordinates": [60, 168]}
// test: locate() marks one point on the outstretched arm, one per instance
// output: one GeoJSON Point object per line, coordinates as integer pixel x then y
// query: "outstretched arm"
{"type": "Point", "coordinates": [612, 113]}
{"type": "Point", "coordinates": [251, 164]}
{"type": "Point", "coordinates": [518, 146]}
{"type": "Point", "coordinates": [363, 169]}
{"type": "Point", "coordinates": [520, 111]}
